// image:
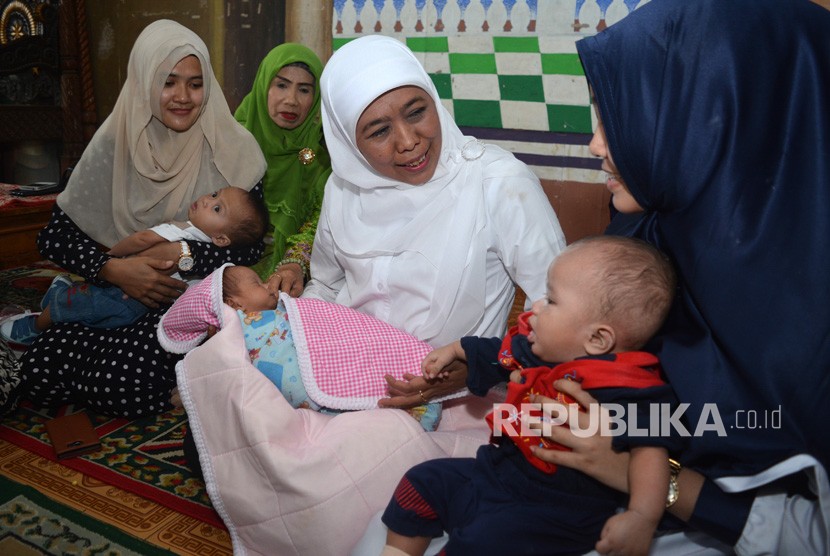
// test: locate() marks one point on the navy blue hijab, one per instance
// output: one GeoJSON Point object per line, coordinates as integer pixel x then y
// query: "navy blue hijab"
{"type": "Point", "coordinates": [717, 115]}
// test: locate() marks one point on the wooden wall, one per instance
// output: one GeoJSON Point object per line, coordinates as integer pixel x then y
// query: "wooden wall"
{"type": "Point", "coordinates": [238, 34]}
{"type": "Point", "coordinates": [583, 208]}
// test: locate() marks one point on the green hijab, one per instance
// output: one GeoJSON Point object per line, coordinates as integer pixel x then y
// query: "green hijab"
{"type": "Point", "coordinates": [293, 191]}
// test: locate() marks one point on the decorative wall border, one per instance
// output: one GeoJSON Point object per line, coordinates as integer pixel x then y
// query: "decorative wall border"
{"type": "Point", "coordinates": [507, 70]}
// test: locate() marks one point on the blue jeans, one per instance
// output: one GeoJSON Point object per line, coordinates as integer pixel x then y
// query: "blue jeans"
{"type": "Point", "coordinates": [90, 305]}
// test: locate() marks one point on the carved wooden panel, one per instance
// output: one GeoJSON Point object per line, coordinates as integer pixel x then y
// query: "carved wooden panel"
{"type": "Point", "coordinates": [46, 88]}
{"type": "Point", "coordinates": [29, 53]}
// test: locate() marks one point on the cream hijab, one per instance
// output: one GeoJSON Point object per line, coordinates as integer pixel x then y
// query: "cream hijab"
{"type": "Point", "coordinates": [371, 215]}
{"type": "Point", "coordinates": [136, 172]}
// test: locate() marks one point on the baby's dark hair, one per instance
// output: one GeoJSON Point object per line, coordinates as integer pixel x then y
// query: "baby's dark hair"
{"type": "Point", "coordinates": [230, 282]}
{"type": "Point", "coordinates": [252, 226]}
{"type": "Point", "coordinates": [635, 284]}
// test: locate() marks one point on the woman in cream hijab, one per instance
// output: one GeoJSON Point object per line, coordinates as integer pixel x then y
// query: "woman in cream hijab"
{"type": "Point", "coordinates": [421, 226]}
{"type": "Point", "coordinates": [170, 139]}
{"type": "Point", "coordinates": [151, 159]}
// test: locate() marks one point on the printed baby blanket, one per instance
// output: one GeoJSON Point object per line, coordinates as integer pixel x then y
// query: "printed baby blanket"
{"type": "Point", "coordinates": [342, 354]}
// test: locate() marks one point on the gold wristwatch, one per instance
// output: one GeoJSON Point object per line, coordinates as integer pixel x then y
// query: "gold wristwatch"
{"type": "Point", "coordinates": [185, 258]}
{"type": "Point", "coordinates": [674, 490]}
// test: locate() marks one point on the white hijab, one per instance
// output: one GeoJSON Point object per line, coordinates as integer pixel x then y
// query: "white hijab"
{"type": "Point", "coordinates": [136, 172]}
{"type": "Point", "coordinates": [372, 215]}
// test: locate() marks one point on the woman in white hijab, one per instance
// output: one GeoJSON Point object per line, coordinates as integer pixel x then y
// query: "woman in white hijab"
{"type": "Point", "coordinates": [170, 139]}
{"type": "Point", "coordinates": [421, 226]}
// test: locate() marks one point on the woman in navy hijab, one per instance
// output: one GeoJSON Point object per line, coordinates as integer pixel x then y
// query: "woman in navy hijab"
{"type": "Point", "coordinates": [715, 120]}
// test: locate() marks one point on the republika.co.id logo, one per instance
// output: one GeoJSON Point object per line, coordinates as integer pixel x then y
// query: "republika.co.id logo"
{"type": "Point", "coordinates": [536, 419]}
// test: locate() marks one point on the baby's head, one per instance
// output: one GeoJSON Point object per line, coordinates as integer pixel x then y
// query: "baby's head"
{"type": "Point", "coordinates": [230, 216]}
{"type": "Point", "coordinates": [243, 289]}
{"type": "Point", "coordinates": [605, 294]}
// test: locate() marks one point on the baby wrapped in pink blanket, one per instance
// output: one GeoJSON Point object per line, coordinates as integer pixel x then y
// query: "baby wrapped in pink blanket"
{"type": "Point", "coordinates": [322, 356]}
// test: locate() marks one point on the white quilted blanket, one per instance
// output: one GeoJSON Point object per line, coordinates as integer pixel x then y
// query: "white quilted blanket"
{"type": "Point", "coordinates": [292, 481]}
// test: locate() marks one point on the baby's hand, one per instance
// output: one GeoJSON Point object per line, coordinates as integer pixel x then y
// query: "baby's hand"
{"type": "Point", "coordinates": [628, 533]}
{"type": "Point", "coordinates": [434, 365]}
{"type": "Point", "coordinates": [516, 376]}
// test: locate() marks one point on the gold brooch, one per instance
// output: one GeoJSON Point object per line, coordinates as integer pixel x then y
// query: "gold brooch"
{"type": "Point", "coordinates": [306, 156]}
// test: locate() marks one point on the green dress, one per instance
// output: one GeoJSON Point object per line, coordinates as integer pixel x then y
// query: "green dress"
{"type": "Point", "coordinates": [293, 185]}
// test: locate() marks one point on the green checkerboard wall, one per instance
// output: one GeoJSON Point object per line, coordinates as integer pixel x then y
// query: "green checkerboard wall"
{"type": "Point", "coordinates": [526, 83]}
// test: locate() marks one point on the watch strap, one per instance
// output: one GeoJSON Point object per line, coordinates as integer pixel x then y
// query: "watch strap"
{"type": "Point", "coordinates": [674, 490]}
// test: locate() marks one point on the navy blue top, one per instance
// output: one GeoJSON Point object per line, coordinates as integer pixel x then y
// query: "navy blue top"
{"type": "Point", "coordinates": [717, 114]}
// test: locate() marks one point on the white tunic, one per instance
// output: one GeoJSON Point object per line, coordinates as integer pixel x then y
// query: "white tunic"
{"type": "Point", "coordinates": [521, 236]}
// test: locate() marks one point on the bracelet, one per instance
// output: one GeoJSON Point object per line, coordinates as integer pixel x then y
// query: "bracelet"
{"type": "Point", "coordinates": [674, 490]}
{"type": "Point", "coordinates": [295, 260]}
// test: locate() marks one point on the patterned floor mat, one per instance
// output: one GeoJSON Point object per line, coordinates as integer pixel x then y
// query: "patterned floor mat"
{"type": "Point", "coordinates": [144, 456]}
{"type": "Point", "coordinates": [137, 482]}
{"type": "Point", "coordinates": [24, 286]}
{"type": "Point", "coordinates": [31, 523]}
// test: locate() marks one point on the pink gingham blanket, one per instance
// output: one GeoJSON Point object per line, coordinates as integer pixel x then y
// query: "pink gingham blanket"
{"type": "Point", "coordinates": [345, 354]}
{"type": "Point", "coordinates": [185, 325]}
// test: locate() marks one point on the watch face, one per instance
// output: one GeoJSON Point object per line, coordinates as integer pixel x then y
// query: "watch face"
{"type": "Point", "coordinates": [185, 263]}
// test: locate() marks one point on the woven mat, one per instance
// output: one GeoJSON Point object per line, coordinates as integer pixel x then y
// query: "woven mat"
{"type": "Point", "coordinates": [24, 286]}
{"type": "Point", "coordinates": [143, 456]}
{"type": "Point", "coordinates": [134, 515]}
{"type": "Point", "coordinates": [31, 523]}
{"type": "Point", "coordinates": [137, 482]}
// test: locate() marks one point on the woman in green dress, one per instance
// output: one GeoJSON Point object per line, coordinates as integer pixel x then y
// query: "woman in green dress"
{"type": "Point", "coordinates": [283, 112]}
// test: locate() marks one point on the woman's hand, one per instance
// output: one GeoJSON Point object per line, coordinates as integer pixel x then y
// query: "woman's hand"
{"type": "Point", "coordinates": [594, 456]}
{"type": "Point", "coordinates": [144, 279]}
{"type": "Point", "coordinates": [415, 390]}
{"type": "Point", "coordinates": [591, 454]}
{"type": "Point", "coordinates": [286, 278]}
